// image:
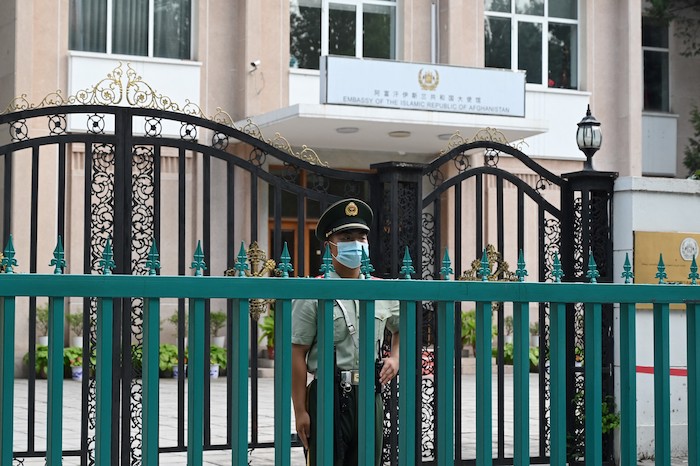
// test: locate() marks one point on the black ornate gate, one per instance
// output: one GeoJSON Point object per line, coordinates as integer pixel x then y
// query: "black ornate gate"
{"type": "Point", "coordinates": [158, 171]}
{"type": "Point", "coordinates": [466, 200]}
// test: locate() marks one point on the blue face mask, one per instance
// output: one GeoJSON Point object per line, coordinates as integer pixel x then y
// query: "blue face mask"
{"type": "Point", "coordinates": [350, 253]}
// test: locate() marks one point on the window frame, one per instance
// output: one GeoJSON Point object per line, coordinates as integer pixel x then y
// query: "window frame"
{"type": "Point", "coordinates": [359, 7]}
{"type": "Point", "coordinates": [545, 20]}
{"type": "Point", "coordinates": [656, 49]}
{"type": "Point", "coordinates": [151, 31]}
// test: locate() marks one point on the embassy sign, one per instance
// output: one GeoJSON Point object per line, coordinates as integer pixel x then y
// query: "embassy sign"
{"type": "Point", "coordinates": [417, 86]}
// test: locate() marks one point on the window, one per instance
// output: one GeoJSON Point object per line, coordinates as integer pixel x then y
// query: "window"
{"type": "Point", "coordinates": [355, 28]}
{"type": "Point", "coordinates": [655, 49]}
{"type": "Point", "coordinates": [538, 36]}
{"type": "Point", "coordinates": [150, 28]}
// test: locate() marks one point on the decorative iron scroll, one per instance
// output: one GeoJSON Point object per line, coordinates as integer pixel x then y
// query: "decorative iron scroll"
{"type": "Point", "coordinates": [259, 266]}
{"type": "Point", "coordinates": [500, 270]}
{"type": "Point", "coordinates": [101, 228]}
{"type": "Point", "coordinates": [484, 134]}
{"type": "Point", "coordinates": [142, 234]}
{"type": "Point", "coordinates": [113, 90]}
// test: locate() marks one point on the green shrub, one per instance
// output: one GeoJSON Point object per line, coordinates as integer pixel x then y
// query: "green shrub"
{"type": "Point", "coordinates": [167, 357]}
{"type": "Point", "coordinates": [41, 360]}
{"type": "Point", "coordinates": [217, 321]}
{"type": "Point", "coordinates": [217, 355]}
{"type": "Point", "coordinates": [75, 322]}
{"type": "Point", "coordinates": [73, 356]}
{"type": "Point", "coordinates": [533, 355]}
{"type": "Point", "coordinates": [267, 326]}
{"type": "Point", "coordinates": [508, 325]}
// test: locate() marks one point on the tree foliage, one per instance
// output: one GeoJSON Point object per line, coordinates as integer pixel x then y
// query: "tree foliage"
{"type": "Point", "coordinates": [685, 14]}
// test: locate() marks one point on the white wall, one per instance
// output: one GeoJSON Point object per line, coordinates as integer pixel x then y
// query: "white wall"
{"type": "Point", "coordinates": [658, 205]}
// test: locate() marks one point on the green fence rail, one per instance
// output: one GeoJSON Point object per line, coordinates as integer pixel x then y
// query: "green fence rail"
{"type": "Point", "coordinates": [446, 293]}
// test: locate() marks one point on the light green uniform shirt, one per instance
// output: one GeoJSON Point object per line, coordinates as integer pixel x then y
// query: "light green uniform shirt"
{"type": "Point", "coordinates": [305, 325]}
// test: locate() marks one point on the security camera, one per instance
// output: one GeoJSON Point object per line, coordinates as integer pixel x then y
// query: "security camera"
{"type": "Point", "coordinates": [255, 63]}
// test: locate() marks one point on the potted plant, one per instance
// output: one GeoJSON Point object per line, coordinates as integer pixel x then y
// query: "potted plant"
{"type": "Point", "coordinates": [535, 334]}
{"type": "Point", "coordinates": [73, 358]}
{"type": "Point", "coordinates": [42, 324]}
{"type": "Point", "coordinates": [508, 328]}
{"type": "Point", "coordinates": [75, 323]}
{"type": "Point", "coordinates": [267, 327]}
{"type": "Point", "coordinates": [217, 361]}
{"type": "Point", "coordinates": [167, 359]}
{"type": "Point", "coordinates": [41, 361]}
{"type": "Point", "coordinates": [217, 321]}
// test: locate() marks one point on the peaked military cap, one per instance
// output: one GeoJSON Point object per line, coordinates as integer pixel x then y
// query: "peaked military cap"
{"type": "Point", "coordinates": [348, 214]}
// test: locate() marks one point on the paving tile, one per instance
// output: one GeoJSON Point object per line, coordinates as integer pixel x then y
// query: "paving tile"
{"type": "Point", "coordinates": [168, 422]}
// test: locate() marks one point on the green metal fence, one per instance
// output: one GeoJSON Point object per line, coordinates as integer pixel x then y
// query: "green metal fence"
{"type": "Point", "coordinates": [446, 293]}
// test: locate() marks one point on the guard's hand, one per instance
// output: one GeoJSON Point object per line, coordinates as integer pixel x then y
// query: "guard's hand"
{"type": "Point", "coordinates": [389, 370]}
{"type": "Point", "coordinates": [303, 428]}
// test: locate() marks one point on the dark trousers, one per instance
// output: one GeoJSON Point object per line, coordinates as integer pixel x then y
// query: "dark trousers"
{"type": "Point", "coordinates": [345, 425]}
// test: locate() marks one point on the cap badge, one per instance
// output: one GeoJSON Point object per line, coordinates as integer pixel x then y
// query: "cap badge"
{"type": "Point", "coordinates": [351, 209]}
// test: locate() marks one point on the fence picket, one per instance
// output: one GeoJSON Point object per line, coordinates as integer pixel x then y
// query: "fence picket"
{"type": "Point", "coordinates": [628, 385]}
{"type": "Point", "coordinates": [662, 386]}
{"type": "Point", "coordinates": [365, 405]}
{"type": "Point", "coordinates": [151, 382]}
{"type": "Point", "coordinates": [54, 430]}
{"type": "Point", "coordinates": [7, 378]}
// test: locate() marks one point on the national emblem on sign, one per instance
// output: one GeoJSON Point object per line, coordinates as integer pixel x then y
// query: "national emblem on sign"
{"type": "Point", "coordinates": [428, 80]}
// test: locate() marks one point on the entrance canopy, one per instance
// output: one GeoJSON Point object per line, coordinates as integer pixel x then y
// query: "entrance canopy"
{"type": "Point", "coordinates": [324, 126]}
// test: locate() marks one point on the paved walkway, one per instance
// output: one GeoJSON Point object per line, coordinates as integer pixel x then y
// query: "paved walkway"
{"type": "Point", "coordinates": [259, 457]}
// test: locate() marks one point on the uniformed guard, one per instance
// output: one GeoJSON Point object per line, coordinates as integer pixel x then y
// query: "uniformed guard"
{"type": "Point", "coordinates": [344, 227]}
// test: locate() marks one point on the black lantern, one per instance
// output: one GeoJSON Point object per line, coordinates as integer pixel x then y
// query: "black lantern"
{"type": "Point", "coordinates": [589, 137]}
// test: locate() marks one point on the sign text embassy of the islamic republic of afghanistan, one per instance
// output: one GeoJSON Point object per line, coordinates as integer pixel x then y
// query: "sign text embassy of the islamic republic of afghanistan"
{"type": "Point", "coordinates": [416, 86]}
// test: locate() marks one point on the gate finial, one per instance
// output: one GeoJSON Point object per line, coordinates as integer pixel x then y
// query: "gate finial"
{"type": "Point", "coordinates": [693, 275]}
{"type": "Point", "coordinates": [8, 261]}
{"type": "Point", "coordinates": [285, 265]}
{"type": "Point", "coordinates": [327, 266]}
{"type": "Point", "coordinates": [520, 272]}
{"type": "Point", "coordinates": [446, 269]}
{"type": "Point", "coordinates": [592, 273]}
{"type": "Point", "coordinates": [627, 274]}
{"type": "Point", "coordinates": [557, 271]}
{"type": "Point", "coordinates": [484, 271]}
{"type": "Point", "coordinates": [407, 268]}
{"type": "Point", "coordinates": [58, 258]}
{"type": "Point", "coordinates": [107, 263]}
{"type": "Point", "coordinates": [242, 263]}
{"type": "Point", "coordinates": [198, 263]}
{"type": "Point", "coordinates": [661, 273]}
{"type": "Point", "coordinates": [366, 268]}
{"type": "Point", "coordinates": [152, 264]}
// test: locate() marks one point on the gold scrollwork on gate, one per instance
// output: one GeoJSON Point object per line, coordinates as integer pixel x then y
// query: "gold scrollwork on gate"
{"type": "Point", "coordinates": [499, 269]}
{"type": "Point", "coordinates": [484, 134]}
{"type": "Point", "coordinates": [111, 90]}
{"type": "Point", "coordinates": [258, 266]}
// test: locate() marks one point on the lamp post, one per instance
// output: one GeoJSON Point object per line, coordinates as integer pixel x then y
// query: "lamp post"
{"type": "Point", "coordinates": [589, 137]}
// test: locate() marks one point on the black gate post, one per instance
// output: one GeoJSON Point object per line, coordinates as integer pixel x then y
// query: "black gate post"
{"type": "Point", "coordinates": [397, 203]}
{"type": "Point", "coordinates": [589, 201]}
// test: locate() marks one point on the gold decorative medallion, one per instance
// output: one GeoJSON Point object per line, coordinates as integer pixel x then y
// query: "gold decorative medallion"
{"type": "Point", "coordinates": [351, 210]}
{"type": "Point", "coordinates": [428, 80]}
